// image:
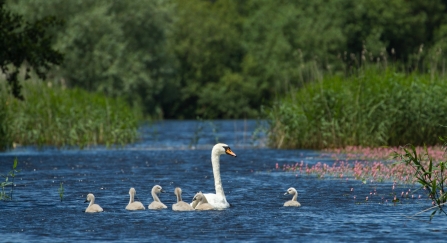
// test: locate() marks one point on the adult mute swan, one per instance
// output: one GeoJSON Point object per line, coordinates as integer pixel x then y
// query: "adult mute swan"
{"type": "Point", "coordinates": [180, 205]}
{"type": "Point", "coordinates": [293, 202]}
{"type": "Point", "coordinates": [218, 200]}
{"type": "Point", "coordinates": [156, 204]}
{"type": "Point", "coordinates": [92, 207]}
{"type": "Point", "coordinates": [133, 205]}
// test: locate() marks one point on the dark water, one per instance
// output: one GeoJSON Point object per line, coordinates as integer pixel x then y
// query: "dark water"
{"type": "Point", "coordinates": [252, 185]}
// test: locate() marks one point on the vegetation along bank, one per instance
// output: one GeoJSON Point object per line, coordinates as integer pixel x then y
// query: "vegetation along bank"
{"type": "Point", "coordinates": [370, 108]}
{"type": "Point", "coordinates": [64, 117]}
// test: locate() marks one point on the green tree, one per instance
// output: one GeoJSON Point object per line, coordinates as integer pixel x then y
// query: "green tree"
{"type": "Point", "coordinates": [25, 44]}
{"type": "Point", "coordinates": [206, 40]}
{"type": "Point", "coordinates": [115, 47]}
{"type": "Point", "coordinates": [226, 58]}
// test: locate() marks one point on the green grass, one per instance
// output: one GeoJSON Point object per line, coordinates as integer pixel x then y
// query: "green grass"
{"type": "Point", "coordinates": [373, 107]}
{"type": "Point", "coordinates": [64, 117]}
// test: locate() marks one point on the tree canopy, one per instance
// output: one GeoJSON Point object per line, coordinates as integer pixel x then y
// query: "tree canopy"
{"type": "Point", "coordinates": [227, 58]}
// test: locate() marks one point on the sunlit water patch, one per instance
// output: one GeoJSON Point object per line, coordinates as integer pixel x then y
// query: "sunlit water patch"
{"type": "Point", "coordinates": [329, 211]}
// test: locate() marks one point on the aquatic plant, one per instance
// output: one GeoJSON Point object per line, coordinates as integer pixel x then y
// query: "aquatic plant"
{"type": "Point", "coordinates": [422, 166]}
{"type": "Point", "coordinates": [61, 192]}
{"type": "Point", "coordinates": [430, 174]}
{"type": "Point", "coordinates": [3, 195]}
{"type": "Point", "coordinates": [12, 173]}
{"type": "Point", "coordinates": [384, 153]}
{"type": "Point", "coordinates": [200, 127]}
{"type": "Point", "coordinates": [364, 164]}
{"type": "Point", "coordinates": [214, 130]}
{"type": "Point", "coordinates": [197, 133]}
{"type": "Point", "coordinates": [258, 135]}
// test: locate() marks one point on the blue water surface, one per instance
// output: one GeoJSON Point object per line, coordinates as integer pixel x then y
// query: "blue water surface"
{"type": "Point", "coordinates": [177, 154]}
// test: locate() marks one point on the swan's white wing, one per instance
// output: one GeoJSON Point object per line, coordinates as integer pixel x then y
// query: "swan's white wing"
{"type": "Point", "coordinates": [218, 202]}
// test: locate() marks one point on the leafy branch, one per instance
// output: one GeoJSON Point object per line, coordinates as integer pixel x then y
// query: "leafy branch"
{"type": "Point", "coordinates": [25, 43]}
{"type": "Point", "coordinates": [431, 175]}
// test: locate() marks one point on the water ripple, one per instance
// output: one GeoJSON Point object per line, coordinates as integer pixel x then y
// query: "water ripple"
{"type": "Point", "coordinates": [254, 189]}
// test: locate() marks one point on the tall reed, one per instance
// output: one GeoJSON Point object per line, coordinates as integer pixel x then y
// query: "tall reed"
{"type": "Point", "coordinates": [374, 106]}
{"type": "Point", "coordinates": [52, 115]}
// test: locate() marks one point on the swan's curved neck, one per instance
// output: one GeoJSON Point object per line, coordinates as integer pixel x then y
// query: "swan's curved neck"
{"type": "Point", "coordinates": [131, 198]}
{"type": "Point", "coordinates": [154, 195]}
{"type": "Point", "coordinates": [215, 161]}
{"type": "Point", "coordinates": [295, 196]}
{"type": "Point", "coordinates": [92, 201]}
{"type": "Point", "coordinates": [179, 197]}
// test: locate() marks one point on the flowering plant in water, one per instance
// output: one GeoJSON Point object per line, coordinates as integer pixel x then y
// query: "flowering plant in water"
{"type": "Point", "coordinates": [405, 165]}
{"type": "Point", "coordinates": [364, 164]}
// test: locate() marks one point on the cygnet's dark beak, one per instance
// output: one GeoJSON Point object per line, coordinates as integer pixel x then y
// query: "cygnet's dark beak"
{"type": "Point", "coordinates": [163, 191]}
{"type": "Point", "coordinates": [85, 201]}
{"type": "Point", "coordinates": [286, 193]}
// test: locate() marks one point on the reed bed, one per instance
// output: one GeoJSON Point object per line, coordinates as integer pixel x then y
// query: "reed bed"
{"type": "Point", "coordinates": [372, 107]}
{"type": "Point", "coordinates": [52, 115]}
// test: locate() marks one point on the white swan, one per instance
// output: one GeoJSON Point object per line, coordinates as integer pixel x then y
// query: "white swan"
{"type": "Point", "coordinates": [132, 204]}
{"type": "Point", "coordinates": [293, 202]}
{"type": "Point", "coordinates": [202, 202]}
{"type": "Point", "coordinates": [92, 207]}
{"type": "Point", "coordinates": [180, 205]}
{"type": "Point", "coordinates": [218, 200]}
{"type": "Point", "coordinates": [156, 204]}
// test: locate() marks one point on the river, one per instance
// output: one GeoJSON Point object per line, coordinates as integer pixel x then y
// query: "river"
{"type": "Point", "coordinates": [177, 154]}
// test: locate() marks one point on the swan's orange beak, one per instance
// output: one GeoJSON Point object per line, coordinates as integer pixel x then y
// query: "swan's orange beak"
{"type": "Point", "coordinates": [229, 152]}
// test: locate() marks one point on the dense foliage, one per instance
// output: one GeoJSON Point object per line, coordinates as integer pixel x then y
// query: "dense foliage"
{"type": "Point", "coordinates": [373, 107]}
{"type": "Point", "coordinates": [27, 43]}
{"type": "Point", "coordinates": [64, 117]}
{"type": "Point", "coordinates": [226, 58]}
